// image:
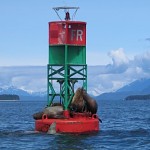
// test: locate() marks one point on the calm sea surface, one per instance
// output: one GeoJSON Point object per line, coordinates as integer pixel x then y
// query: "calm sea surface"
{"type": "Point", "coordinates": [126, 126]}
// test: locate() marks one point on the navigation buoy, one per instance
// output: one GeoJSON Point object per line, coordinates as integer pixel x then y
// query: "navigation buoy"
{"type": "Point", "coordinates": [67, 111]}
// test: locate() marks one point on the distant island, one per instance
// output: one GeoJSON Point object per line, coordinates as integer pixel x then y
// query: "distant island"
{"type": "Point", "coordinates": [138, 97]}
{"type": "Point", "coordinates": [9, 97]}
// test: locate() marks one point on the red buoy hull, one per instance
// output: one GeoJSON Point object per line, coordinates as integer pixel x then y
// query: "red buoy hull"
{"type": "Point", "coordinates": [79, 123]}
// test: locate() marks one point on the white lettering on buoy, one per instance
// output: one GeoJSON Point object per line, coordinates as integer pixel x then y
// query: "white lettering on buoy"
{"type": "Point", "coordinates": [79, 35]}
{"type": "Point", "coordinates": [76, 34]}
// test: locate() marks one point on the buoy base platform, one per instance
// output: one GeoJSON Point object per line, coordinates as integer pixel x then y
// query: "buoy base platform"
{"type": "Point", "coordinates": [77, 123]}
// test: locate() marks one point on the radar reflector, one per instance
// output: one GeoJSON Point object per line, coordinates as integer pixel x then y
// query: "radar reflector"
{"type": "Point", "coordinates": [67, 11]}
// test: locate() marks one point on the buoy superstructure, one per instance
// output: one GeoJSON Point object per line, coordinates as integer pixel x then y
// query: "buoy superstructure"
{"type": "Point", "coordinates": [66, 70]}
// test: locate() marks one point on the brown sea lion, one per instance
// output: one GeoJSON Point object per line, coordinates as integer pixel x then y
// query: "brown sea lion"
{"type": "Point", "coordinates": [78, 103]}
{"type": "Point", "coordinates": [83, 102]}
{"type": "Point", "coordinates": [54, 111]}
{"type": "Point", "coordinates": [91, 104]}
{"type": "Point", "coordinates": [38, 115]}
{"type": "Point", "coordinates": [51, 112]}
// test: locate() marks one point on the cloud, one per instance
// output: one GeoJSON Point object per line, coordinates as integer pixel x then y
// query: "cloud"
{"type": "Point", "coordinates": [29, 78]}
{"type": "Point", "coordinates": [104, 78]}
{"type": "Point", "coordinates": [119, 63]}
{"type": "Point", "coordinates": [143, 61]}
{"type": "Point", "coordinates": [120, 72]}
{"type": "Point", "coordinates": [31, 84]}
{"type": "Point", "coordinates": [118, 57]}
{"type": "Point", "coordinates": [147, 39]}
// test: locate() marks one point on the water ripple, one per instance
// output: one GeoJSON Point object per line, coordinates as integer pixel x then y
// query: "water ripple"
{"type": "Point", "coordinates": [126, 125]}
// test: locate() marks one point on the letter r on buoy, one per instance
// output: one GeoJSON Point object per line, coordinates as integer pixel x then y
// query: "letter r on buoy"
{"type": "Point", "coordinates": [79, 35]}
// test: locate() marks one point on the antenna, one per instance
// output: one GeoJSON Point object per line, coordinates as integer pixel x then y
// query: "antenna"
{"type": "Point", "coordinates": [67, 12]}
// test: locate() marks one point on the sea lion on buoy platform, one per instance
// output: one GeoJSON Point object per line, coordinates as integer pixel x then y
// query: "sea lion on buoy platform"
{"type": "Point", "coordinates": [91, 103]}
{"type": "Point", "coordinates": [83, 102]}
{"type": "Point", "coordinates": [38, 115]}
{"type": "Point", "coordinates": [78, 103]}
{"type": "Point", "coordinates": [54, 112]}
{"type": "Point", "coordinates": [51, 112]}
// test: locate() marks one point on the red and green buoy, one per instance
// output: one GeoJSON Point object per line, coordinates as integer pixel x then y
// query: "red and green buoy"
{"type": "Point", "coordinates": [67, 69]}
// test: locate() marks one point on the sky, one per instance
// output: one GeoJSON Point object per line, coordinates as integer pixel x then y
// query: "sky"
{"type": "Point", "coordinates": [118, 42]}
{"type": "Point", "coordinates": [117, 30]}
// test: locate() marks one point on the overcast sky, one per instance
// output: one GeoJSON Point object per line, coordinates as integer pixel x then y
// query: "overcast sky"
{"type": "Point", "coordinates": [111, 26]}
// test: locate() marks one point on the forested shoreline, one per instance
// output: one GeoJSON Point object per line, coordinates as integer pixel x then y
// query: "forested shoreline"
{"type": "Point", "coordinates": [9, 97]}
{"type": "Point", "coordinates": [138, 97]}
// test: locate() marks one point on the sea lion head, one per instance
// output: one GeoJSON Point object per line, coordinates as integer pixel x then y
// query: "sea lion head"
{"type": "Point", "coordinates": [78, 103]}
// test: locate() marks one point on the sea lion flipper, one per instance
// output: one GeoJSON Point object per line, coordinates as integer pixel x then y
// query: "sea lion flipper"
{"type": "Point", "coordinates": [52, 128]}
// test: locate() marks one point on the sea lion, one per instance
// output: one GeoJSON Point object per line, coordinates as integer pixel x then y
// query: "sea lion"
{"type": "Point", "coordinates": [38, 115]}
{"type": "Point", "coordinates": [52, 128]}
{"type": "Point", "coordinates": [54, 111]}
{"type": "Point", "coordinates": [51, 112]}
{"type": "Point", "coordinates": [83, 102]}
{"type": "Point", "coordinates": [78, 103]}
{"type": "Point", "coordinates": [91, 104]}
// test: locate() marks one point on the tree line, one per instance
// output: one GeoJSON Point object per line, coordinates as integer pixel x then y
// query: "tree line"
{"type": "Point", "coordinates": [138, 97]}
{"type": "Point", "coordinates": [9, 97]}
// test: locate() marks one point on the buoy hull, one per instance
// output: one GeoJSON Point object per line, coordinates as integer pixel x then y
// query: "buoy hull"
{"type": "Point", "coordinates": [78, 124]}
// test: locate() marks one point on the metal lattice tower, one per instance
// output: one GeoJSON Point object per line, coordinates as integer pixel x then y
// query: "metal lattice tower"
{"type": "Point", "coordinates": [67, 58]}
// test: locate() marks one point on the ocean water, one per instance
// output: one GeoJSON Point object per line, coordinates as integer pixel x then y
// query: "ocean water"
{"type": "Point", "coordinates": [125, 126]}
